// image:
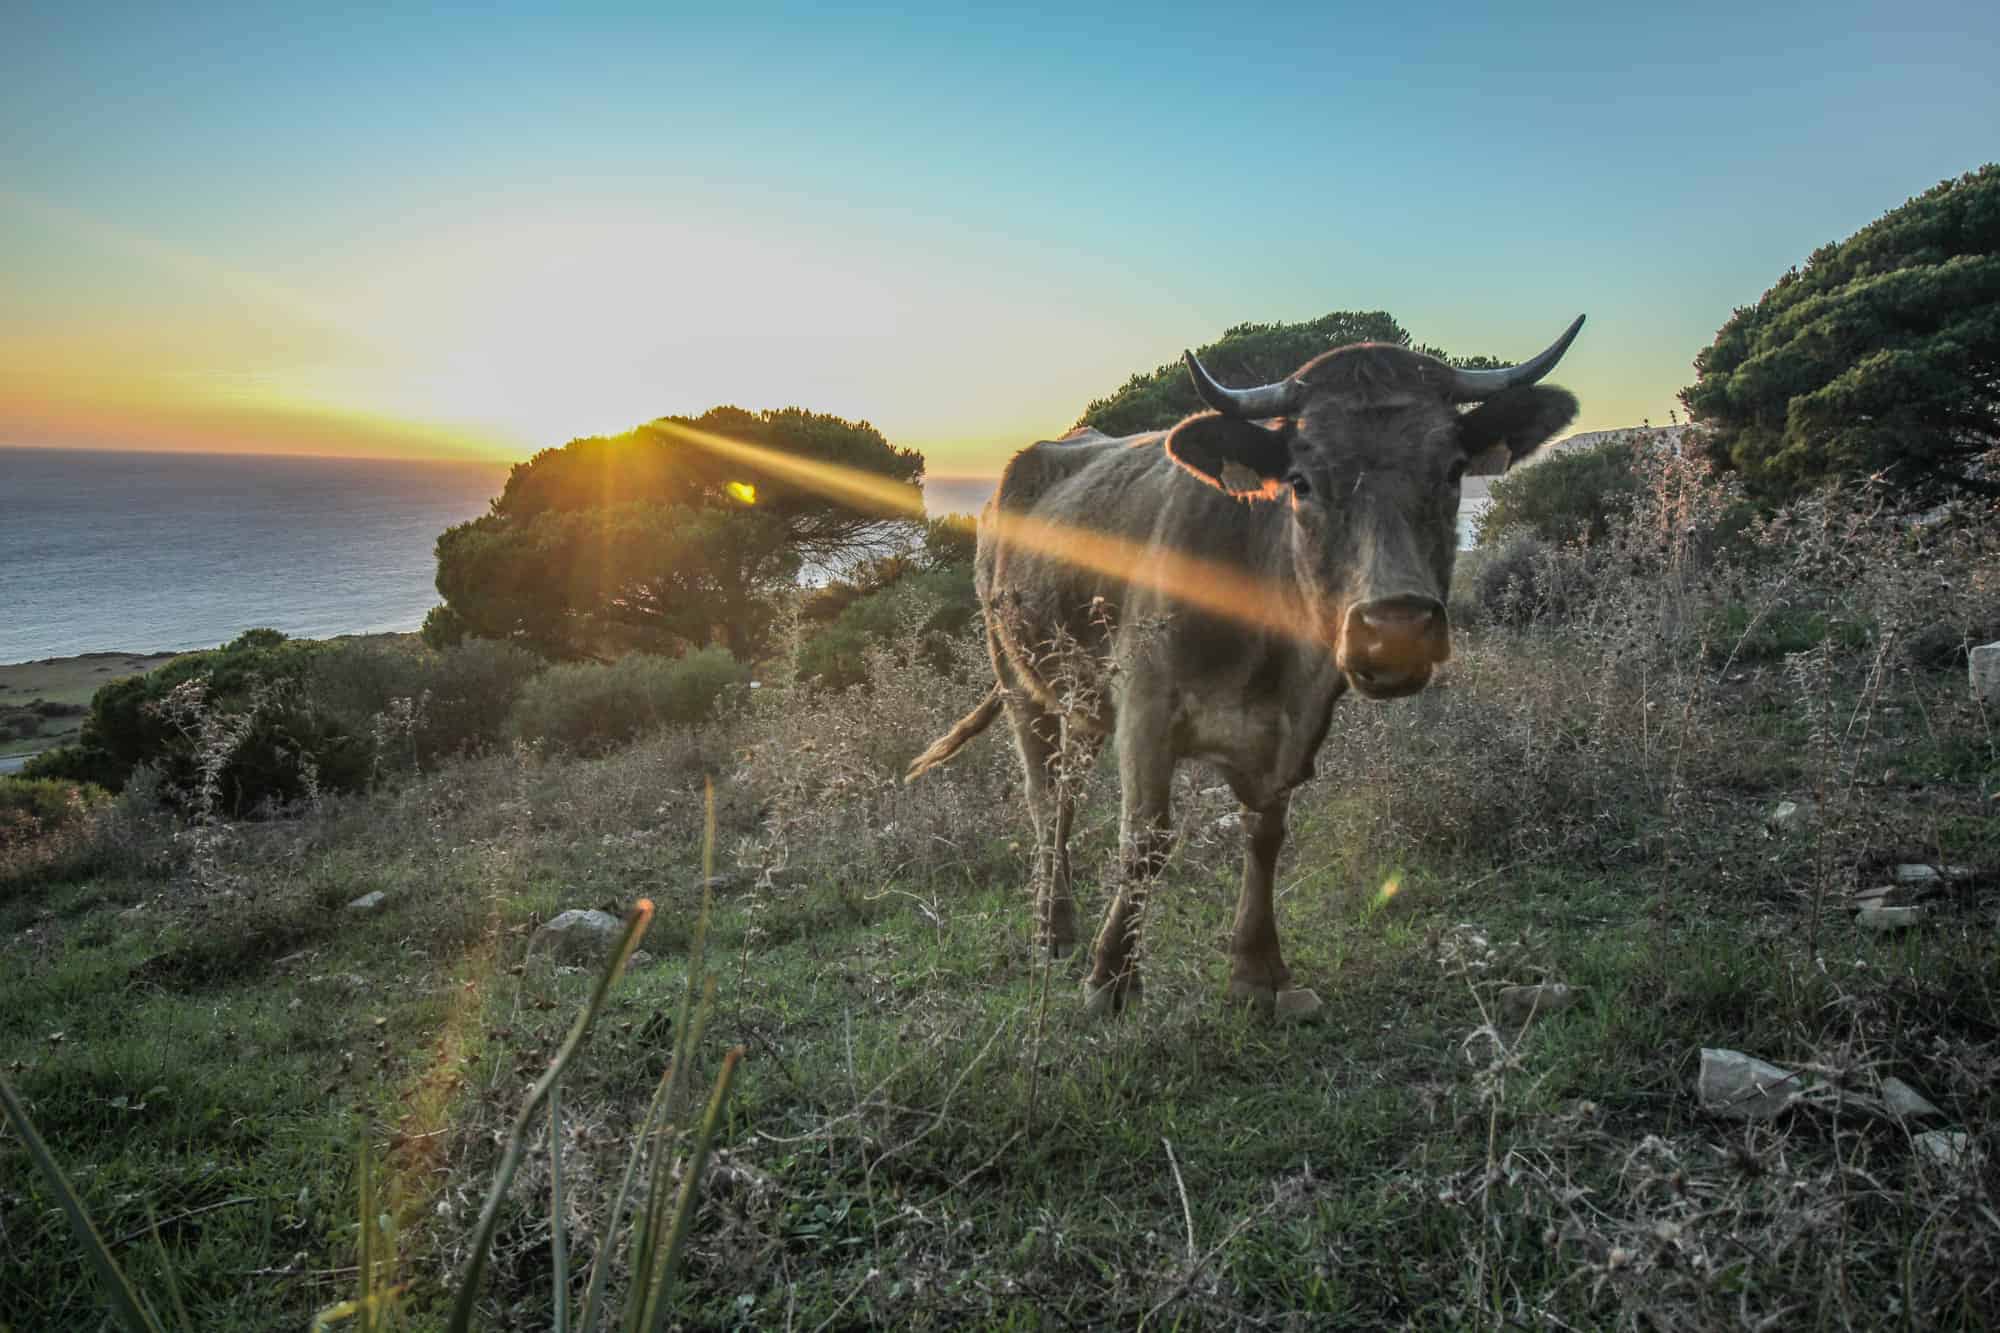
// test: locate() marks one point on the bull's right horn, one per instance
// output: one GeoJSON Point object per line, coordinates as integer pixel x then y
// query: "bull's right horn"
{"type": "Point", "coordinates": [1266, 400]}
{"type": "Point", "coordinates": [1473, 386]}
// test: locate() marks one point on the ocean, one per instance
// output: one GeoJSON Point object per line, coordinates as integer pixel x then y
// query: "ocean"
{"type": "Point", "coordinates": [155, 552]}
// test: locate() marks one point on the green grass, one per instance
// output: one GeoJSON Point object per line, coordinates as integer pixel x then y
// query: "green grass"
{"type": "Point", "coordinates": [917, 1139]}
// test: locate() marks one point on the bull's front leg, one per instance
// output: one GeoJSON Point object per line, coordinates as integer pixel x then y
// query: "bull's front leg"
{"type": "Point", "coordinates": [1145, 774]}
{"type": "Point", "coordinates": [1257, 971]}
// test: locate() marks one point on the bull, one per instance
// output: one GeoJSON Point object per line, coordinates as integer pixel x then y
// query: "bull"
{"type": "Point", "coordinates": [1211, 591]}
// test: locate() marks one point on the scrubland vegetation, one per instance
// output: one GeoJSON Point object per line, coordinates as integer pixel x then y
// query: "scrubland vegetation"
{"type": "Point", "coordinates": [926, 1132]}
{"type": "Point", "coordinates": [1700, 704]}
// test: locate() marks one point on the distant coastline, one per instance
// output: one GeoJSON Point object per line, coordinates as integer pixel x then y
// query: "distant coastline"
{"type": "Point", "coordinates": [69, 683]}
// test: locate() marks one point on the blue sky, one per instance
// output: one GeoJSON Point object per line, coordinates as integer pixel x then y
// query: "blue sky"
{"type": "Point", "coordinates": [434, 233]}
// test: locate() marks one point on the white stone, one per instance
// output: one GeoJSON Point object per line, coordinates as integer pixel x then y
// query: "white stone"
{"type": "Point", "coordinates": [1982, 664]}
{"type": "Point", "coordinates": [1788, 817]}
{"type": "Point", "coordinates": [1916, 874]}
{"type": "Point", "coordinates": [1518, 1003]}
{"type": "Point", "coordinates": [1905, 1102]}
{"type": "Point", "coordinates": [1741, 1086]}
{"type": "Point", "coordinates": [1951, 1149]}
{"type": "Point", "coordinates": [1873, 917]}
{"type": "Point", "coordinates": [368, 902]}
{"type": "Point", "coordinates": [578, 936]}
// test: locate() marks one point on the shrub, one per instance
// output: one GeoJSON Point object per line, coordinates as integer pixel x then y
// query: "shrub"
{"type": "Point", "coordinates": [937, 604]}
{"type": "Point", "coordinates": [1526, 579]}
{"type": "Point", "coordinates": [41, 817]}
{"type": "Point", "coordinates": [1569, 494]}
{"type": "Point", "coordinates": [442, 703]}
{"type": "Point", "coordinates": [473, 689]}
{"type": "Point", "coordinates": [252, 693]}
{"type": "Point", "coordinates": [590, 707]}
{"type": "Point", "coordinates": [42, 805]}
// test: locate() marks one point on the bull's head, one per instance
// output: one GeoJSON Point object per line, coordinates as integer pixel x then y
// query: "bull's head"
{"type": "Point", "coordinates": [1366, 446]}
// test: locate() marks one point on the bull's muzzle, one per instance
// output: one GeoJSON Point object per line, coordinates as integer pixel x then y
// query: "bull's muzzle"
{"type": "Point", "coordinates": [1390, 646]}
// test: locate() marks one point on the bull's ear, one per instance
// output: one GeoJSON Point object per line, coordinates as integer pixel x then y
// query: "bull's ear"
{"type": "Point", "coordinates": [1519, 421]}
{"type": "Point", "coordinates": [1241, 457]}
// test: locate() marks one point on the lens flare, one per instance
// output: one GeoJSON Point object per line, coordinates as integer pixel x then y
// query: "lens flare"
{"type": "Point", "coordinates": [1222, 590]}
{"type": "Point", "coordinates": [1390, 888]}
{"type": "Point", "coordinates": [743, 491]}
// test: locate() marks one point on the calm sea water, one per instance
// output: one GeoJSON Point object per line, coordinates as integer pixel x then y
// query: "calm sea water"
{"type": "Point", "coordinates": [139, 552]}
{"type": "Point", "coordinates": [130, 552]}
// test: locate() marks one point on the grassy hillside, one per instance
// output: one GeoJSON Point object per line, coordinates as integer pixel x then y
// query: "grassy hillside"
{"type": "Point", "coordinates": [927, 1133]}
{"type": "Point", "coordinates": [56, 693]}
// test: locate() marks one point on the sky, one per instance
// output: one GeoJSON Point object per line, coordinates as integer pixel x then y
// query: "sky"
{"type": "Point", "coordinates": [482, 233]}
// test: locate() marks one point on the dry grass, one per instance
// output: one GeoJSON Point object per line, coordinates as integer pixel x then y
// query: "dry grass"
{"type": "Point", "coordinates": [927, 1135]}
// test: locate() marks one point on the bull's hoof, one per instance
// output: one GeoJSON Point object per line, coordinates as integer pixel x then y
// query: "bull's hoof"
{"type": "Point", "coordinates": [1059, 948]}
{"type": "Point", "coordinates": [1112, 997]}
{"type": "Point", "coordinates": [1284, 1005]}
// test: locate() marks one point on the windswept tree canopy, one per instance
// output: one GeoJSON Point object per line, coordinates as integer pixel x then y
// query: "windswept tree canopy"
{"type": "Point", "coordinates": [1249, 354]}
{"type": "Point", "coordinates": [673, 535]}
{"type": "Point", "coordinates": [1881, 354]}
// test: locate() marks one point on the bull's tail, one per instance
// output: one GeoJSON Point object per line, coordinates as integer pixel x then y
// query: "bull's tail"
{"type": "Point", "coordinates": [949, 744]}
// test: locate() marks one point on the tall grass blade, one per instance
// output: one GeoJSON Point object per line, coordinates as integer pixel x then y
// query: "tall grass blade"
{"type": "Point", "coordinates": [654, 1240]}
{"type": "Point", "coordinates": [369, 1237]}
{"type": "Point", "coordinates": [167, 1269]}
{"type": "Point", "coordinates": [125, 1302]}
{"type": "Point", "coordinates": [636, 922]}
{"type": "Point", "coordinates": [651, 1240]}
{"type": "Point", "coordinates": [697, 1162]}
{"type": "Point", "coordinates": [559, 1315]}
{"type": "Point", "coordinates": [599, 1269]}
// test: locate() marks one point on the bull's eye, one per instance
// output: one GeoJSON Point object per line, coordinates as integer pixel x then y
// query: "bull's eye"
{"type": "Point", "coordinates": [1300, 486]}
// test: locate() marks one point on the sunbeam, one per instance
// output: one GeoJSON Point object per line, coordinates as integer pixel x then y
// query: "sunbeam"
{"type": "Point", "coordinates": [1221, 590]}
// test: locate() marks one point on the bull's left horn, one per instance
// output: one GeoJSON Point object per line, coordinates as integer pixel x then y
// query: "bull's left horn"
{"type": "Point", "coordinates": [1472, 386]}
{"type": "Point", "coordinates": [1266, 400]}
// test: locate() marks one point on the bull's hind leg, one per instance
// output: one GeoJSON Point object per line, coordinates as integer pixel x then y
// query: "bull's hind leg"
{"type": "Point", "coordinates": [1145, 775]}
{"type": "Point", "coordinates": [1038, 734]}
{"type": "Point", "coordinates": [1257, 971]}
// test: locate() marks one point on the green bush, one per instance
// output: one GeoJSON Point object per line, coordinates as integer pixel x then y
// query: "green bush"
{"type": "Point", "coordinates": [48, 802]}
{"type": "Point", "coordinates": [937, 603]}
{"type": "Point", "coordinates": [295, 716]}
{"type": "Point", "coordinates": [1570, 494]}
{"type": "Point", "coordinates": [473, 689]}
{"type": "Point", "coordinates": [590, 708]}
{"type": "Point", "coordinates": [243, 709]}
{"type": "Point", "coordinates": [1524, 580]}
{"type": "Point", "coordinates": [40, 820]}
{"type": "Point", "coordinates": [445, 702]}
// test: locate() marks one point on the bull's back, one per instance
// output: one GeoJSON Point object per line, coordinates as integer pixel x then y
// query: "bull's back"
{"type": "Point", "coordinates": [1042, 555]}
